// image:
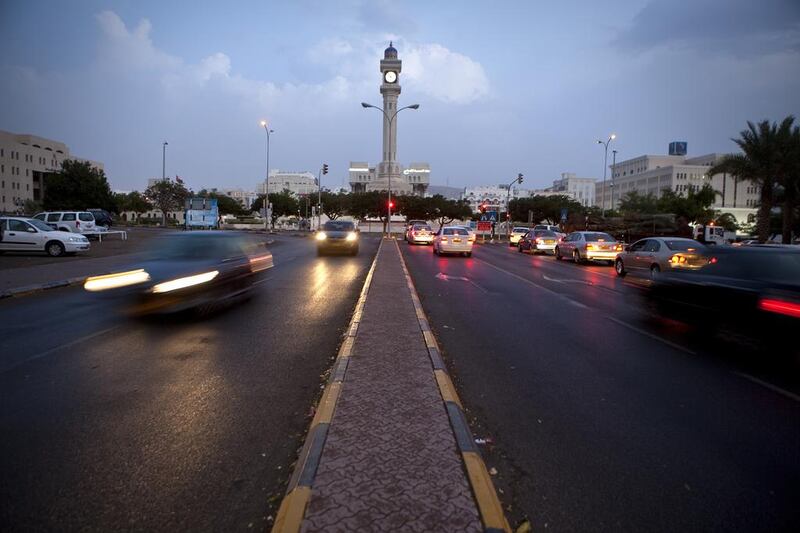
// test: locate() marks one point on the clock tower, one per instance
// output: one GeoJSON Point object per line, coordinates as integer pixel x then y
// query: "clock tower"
{"type": "Point", "coordinates": [389, 170]}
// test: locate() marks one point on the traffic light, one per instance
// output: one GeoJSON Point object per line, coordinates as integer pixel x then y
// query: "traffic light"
{"type": "Point", "coordinates": [391, 204]}
{"type": "Point", "coordinates": [519, 177]}
{"type": "Point", "coordinates": [325, 168]}
{"type": "Point", "coordinates": [483, 207]}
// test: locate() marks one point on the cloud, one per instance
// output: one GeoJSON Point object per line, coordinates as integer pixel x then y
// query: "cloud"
{"type": "Point", "coordinates": [386, 16]}
{"type": "Point", "coordinates": [741, 27]}
{"type": "Point", "coordinates": [443, 74]}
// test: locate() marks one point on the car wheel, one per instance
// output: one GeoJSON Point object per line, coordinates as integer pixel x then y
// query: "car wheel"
{"type": "Point", "coordinates": [54, 249]}
{"type": "Point", "coordinates": [557, 254]}
{"type": "Point", "coordinates": [655, 270]}
{"type": "Point", "coordinates": [520, 248]}
{"type": "Point", "coordinates": [576, 256]}
{"type": "Point", "coordinates": [620, 268]}
{"type": "Point", "coordinates": [319, 252]}
{"type": "Point", "coordinates": [434, 250]}
{"type": "Point", "coordinates": [469, 254]}
{"type": "Point", "coordinates": [354, 251]}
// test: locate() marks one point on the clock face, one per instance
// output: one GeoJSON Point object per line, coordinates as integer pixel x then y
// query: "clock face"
{"type": "Point", "coordinates": [390, 77]}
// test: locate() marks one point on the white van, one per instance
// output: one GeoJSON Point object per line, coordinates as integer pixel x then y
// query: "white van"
{"type": "Point", "coordinates": [74, 221]}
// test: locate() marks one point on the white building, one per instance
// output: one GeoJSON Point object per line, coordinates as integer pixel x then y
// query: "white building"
{"type": "Point", "coordinates": [24, 161]}
{"type": "Point", "coordinates": [651, 174]}
{"type": "Point", "coordinates": [493, 195]}
{"type": "Point", "coordinates": [580, 189]}
{"type": "Point", "coordinates": [299, 183]}
{"type": "Point", "coordinates": [245, 198]}
{"type": "Point", "coordinates": [412, 180]}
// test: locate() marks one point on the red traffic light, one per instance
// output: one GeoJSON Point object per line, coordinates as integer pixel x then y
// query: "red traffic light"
{"type": "Point", "coordinates": [391, 205]}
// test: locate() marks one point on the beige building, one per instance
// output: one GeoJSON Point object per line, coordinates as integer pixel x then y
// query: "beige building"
{"type": "Point", "coordinates": [299, 183]}
{"type": "Point", "coordinates": [24, 160]}
{"type": "Point", "coordinates": [580, 189]}
{"type": "Point", "coordinates": [651, 174]}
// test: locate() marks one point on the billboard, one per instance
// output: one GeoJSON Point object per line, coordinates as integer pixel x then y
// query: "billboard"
{"type": "Point", "coordinates": [201, 213]}
{"type": "Point", "coordinates": [677, 148]}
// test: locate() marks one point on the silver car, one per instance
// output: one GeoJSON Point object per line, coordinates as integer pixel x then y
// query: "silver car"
{"type": "Point", "coordinates": [588, 246]}
{"type": "Point", "coordinates": [654, 255]}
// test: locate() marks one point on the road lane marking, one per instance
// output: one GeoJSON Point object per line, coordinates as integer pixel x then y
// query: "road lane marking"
{"type": "Point", "coordinates": [526, 280]}
{"type": "Point", "coordinates": [651, 335]}
{"type": "Point", "coordinates": [60, 347]}
{"type": "Point", "coordinates": [770, 386]}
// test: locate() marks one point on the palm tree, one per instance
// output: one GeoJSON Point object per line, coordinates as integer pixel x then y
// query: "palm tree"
{"type": "Point", "coordinates": [760, 163]}
{"type": "Point", "coordinates": [789, 177]}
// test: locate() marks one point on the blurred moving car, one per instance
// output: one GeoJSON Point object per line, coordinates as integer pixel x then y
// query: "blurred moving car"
{"type": "Point", "coordinates": [419, 233]}
{"type": "Point", "coordinates": [102, 218]}
{"type": "Point", "coordinates": [410, 225]}
{"type": "Point", "coordinates": [197, 269]}
{"type": "Point", "coordinates": [656, 254]}
{"type": "Point", "coordinates": [538, 241]}
{"type": "Point", "coordinates": [74, 221]}
{"type": "Point", "coordinates": [741, 289]}
{"type": "Point", "coordinates": [453, 240]}
{"type": "Point", "coordinates": [337, 236]}
{"type": "Point", "coordinates": [20, 234]}
{"type": "Point", "coordinates": [588, 246]}
{"type": "Point", "coordinates": [516, 234]}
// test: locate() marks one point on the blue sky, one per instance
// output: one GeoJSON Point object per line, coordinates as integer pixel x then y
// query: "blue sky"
{"type": "Point", "coordinates": [504, 87]}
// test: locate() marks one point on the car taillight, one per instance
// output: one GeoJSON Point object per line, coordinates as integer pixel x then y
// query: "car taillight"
{"type": "Point", "coordinates": [678, 259]}
{"type": "Point", "coordinates": [540, 241]}
{"type": "Point", "coordinates": [590, 247]}
{"type": "Point", "coordinates": [471, 238]}
{"type": "Point", "coordinates": [444, 239]}
{"type": "Point", "coordinates": [618, 248]}
{"type": "Point", "coordinates": [413, 232]}
{"type": "Point", "coordinates": [713, 260]}
{"type": "Point", "coordinates": [782, 307]}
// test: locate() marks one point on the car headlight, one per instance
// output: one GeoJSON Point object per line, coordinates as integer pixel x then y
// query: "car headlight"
{"type": "Point", "coordinates": [351, 236]}
{"type": "Point", "coordinates": [321, 236]}
{"type": "Point", "coordinates": [114, 281]}
{"type": "Point", "coordinates": [76, 239]}
{"type": "Point", "coordinates": [182, 283]}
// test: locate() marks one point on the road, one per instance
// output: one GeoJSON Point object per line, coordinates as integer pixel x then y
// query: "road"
{"type": "Point", "coordinates": [166, 425]}
{"type": "Point", "coordinates": [601, 418]}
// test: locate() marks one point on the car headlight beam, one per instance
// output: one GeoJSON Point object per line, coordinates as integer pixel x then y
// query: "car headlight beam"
{"type": "Point", "coordinates": [182, 283]}
{"type": "Point", "coordinates": [352, 236]}
{"type": "Point", "coordinates": [321, 236]}
{"type": "Point", "coordinates": [114, 281]}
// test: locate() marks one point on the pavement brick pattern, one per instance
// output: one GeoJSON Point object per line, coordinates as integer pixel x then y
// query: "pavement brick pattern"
{"type": "Point", "coordinates": [390, 461]}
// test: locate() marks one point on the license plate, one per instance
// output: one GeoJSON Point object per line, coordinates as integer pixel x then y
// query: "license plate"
{"type": "Point", "coordinates": [549, 242]}
{"type": "Point", "coordinates": [456, 240]}
{"type": "Point", "coordinates": [605, 247]}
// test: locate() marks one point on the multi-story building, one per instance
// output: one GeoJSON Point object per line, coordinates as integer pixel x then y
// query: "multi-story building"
{"type": "Point", "coordinates": [24, 161]}
{"type": "Point", "coordinates": [580, 189]}
{"type": "Point", "coordinates": [415, 179]}
{"type": "Point", "coordinates": [652, 174]}
{"type": "Point", "coordinates": [451, 193]}
{"type": "Point", "coordinates": [299, 183]}
{"type": "Point", "coordinates": [494, 195]}
{"type": "Point", "coordinates": [245, 198]}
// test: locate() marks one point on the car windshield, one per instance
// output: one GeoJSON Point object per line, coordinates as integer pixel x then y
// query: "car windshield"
{"type": "Point", "coordinates": [520, 230]}
{"type": "Point", "coordinates": [197, 247]}
{"type": "Point", "coordinates": [339, 225]}
{"type": "Point", "coordinates": [684, 245]}
{"type": "Point", "coordinates": [455, 231]}
{"type": "Point", "coordinates": [421, 228]}
{"type": "Point", "coordinates": [545, 233]}
{"type": "Point", "coordinates": [38, 224]}
{"type": "Point", "coordinates": [598, 237]}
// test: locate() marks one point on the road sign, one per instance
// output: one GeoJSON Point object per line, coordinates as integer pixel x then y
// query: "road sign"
{"type": "Point", "coordinates": [473, 224]}
{"type": "Point", "coordinates": [563, 214]}
{"type": "Point", "coordinates": [489, 216]}
{"type": "Point", "coordinates": [484, 227]}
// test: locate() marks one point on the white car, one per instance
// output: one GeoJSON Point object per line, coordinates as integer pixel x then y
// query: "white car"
{"type": "Point", "coordinates": [453, 240]}
{"type": "Point", "coordinates": [419, 233]}
{"type": "Point", "coordinates": [74, 221]}
{"type": "Point", "coordinates": [19, 234]}
{"type": "Point", "coordinates": [516, 234]}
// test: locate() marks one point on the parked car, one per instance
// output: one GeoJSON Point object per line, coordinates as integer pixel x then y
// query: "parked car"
{"type": "Point", "coordinates": [453, 240]}
{"type": "Point", "coordinates": [102, 218]}
{"type": "Point", "coordinates": [419, 233]}
{"type": "Point", "coordinates": [74, 221]}
{"type": "Point", "coordinates": [657, 254]}
{"type": "Point", "coordinates": [20, 234]}
{"type": "Point", "coordinates": [195, 269]}
{"type": "Point", "coordinates": [337, 236]}
{"type": "Point", "coordinates": [538, 241]}
{"type": "Point", "coordinates": [588, 246]}
{"type": "Point", "coordinates": [752, 291]}
{"type": "Point", "coordinates": [516, 234]}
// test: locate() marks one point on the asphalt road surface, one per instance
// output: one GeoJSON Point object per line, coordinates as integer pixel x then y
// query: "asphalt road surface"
{"type": "Point", "coordinates": [603, 419]}
{"type": "Point", "coordinates": [176, 424]}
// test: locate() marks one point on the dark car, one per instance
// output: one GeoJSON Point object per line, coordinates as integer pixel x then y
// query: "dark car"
{"type": "Point", "coordinates": [538, 240]}
{"type": "Point", "coordinates": [201, 270]}
{"type": "Point", "coordinates": [337, 236]}
{"type": "Point", "coordinates": [741, 289]}
{"type": "Point", "coordinates": [102, 217]}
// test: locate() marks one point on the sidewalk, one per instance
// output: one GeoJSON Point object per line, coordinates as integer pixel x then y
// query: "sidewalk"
{"type": "Point", "coordinates": [389, 448]}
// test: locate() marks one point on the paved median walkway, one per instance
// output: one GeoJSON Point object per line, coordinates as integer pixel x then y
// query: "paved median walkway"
{"type": "Point", "coordinates": [389, 448]}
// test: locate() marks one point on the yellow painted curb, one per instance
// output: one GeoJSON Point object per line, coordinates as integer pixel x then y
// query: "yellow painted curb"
{"type": "Point", "coordinates": [446, 387]}
{"type": "Point", "coordinates": [292, 510]}
{"type": "Point", "coordinates": [430, 340]}
{"type": "Point", "coordinates": [488, 503]}
{"type": "Point", "coordinates": [347, 347]}
{"type": "Point", "coordinates": [327, 404]}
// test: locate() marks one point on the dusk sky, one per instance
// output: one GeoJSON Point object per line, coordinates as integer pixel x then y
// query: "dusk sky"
{"type": "Point", "coordinates": [503, 87]}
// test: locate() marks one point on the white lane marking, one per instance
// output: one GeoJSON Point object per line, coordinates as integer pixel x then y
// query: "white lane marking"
{"type": "Point", "coordinates": [770, 386]}
{"type": "Point", "coordinates": [61, 347]}
{"type": "Point", "coordinates": [447, 277]}
{"type": "Point", "coordinates": [652, 336]}
{"type": "Point", "coordinates": [581, 281]}
{"type": "Point", "coordinates": [545, 289]}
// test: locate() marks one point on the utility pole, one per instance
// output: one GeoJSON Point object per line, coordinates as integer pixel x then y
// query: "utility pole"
{"type": "Point", "coordinates": [605, 167]}
{"type": "Point", "coordinates": [613, 172]}
{"type": "Point", "coordinates": [164, 161]}
{"type": "Point", "coordinates": [508, 211]}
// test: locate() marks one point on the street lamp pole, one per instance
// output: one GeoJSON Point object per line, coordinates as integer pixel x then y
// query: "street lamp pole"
{"type": "Point", "coordinates": [605, 167]}
{"type": "Point", "coordinates": [613, 177]}
{"type": "Point", "coordinates": [508, 211]}
{"type": "Point", "coordinates": [268, 221]}
{"type": "Point", "coordinates": [164, 161]}
{"type": "Point", "coordinates": [391, 158]}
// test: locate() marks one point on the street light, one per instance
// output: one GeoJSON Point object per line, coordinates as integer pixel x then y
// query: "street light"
{"type": "Point", "coordinates": [268, 220]}
{"type": "Point", "coordinates": [613, 176]}
{"type": "Point", "coordinates": [605, 168]}
{"type": "Point", "coordinates": [164, 161]}
{"type": "Point", "coordinates": [508, 212]}
{"type": "Point", "coordinates": [391, 158]}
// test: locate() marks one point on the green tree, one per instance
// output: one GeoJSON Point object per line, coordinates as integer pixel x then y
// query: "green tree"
{"type": "Point", "coordinates": [788, 174]}
{"type": "Point", "coordinates": [225, 204]}
{"type": "Point", "coordinates": [335, 205]}
{"type": "Point", "coordinates": [283, 203]}
{"type": "Point", "coordinates": [726, 221]}
{"type": "Point", "coordinates": [694, 207]}
{"type": "Point", "coordinates": [31, 207]}
{"type": "Point", "coordinates": [166, 196]}
{"type": "Point", "coordinates": [760, 162]}
{"type": "Point", "coordinates": [445, 211]}
{"type": "Point", "coordinates": [132, 201]}
{"type": "Point", "coordinates": [636, 203]}
{"type": "Point", "coordinates": [543, 208]}
{"type": "Point", "coordinates": [77, 186]}
{"type": "Point", "coordinates": [415, 207]}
